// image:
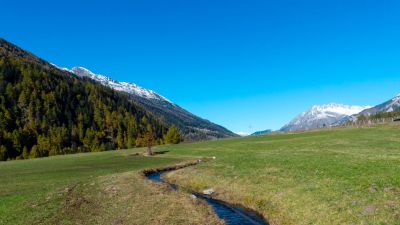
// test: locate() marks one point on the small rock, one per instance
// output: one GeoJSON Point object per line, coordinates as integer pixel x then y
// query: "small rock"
{"type": "Point", "coordinates": [209, 191]}
{"type": "Point", "coordinates": [214, 157]}
{"type": "Point", "coordinates": [193, 196]}
{"type": "Point", "coordinates": [372, 189]}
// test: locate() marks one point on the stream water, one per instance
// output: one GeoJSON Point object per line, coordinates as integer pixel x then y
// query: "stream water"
{"type": "Point", "coordinates": [232, 215]}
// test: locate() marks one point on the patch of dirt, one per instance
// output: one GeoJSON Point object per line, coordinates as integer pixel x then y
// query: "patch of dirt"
{"type": "Point", "coordinates": [370, 210]}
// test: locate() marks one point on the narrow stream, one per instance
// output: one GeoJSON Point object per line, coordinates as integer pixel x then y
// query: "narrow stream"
{"type": "Point", "coordinates": [232, 215]}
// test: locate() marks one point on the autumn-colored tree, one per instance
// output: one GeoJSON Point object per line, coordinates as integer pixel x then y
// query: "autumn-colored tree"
{"type": "Point", "coordinates": [148, 140]}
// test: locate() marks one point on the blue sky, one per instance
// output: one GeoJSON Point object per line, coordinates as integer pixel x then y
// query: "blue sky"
{"type": "Point", "coordinates": [247, 65]}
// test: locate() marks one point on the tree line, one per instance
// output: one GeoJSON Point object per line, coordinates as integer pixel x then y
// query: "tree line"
{"type": "Point", "coordinates": [381, 117]}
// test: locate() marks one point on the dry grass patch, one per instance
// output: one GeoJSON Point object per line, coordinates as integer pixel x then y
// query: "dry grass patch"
{"type": "Point", "coordinates": [127, 198]}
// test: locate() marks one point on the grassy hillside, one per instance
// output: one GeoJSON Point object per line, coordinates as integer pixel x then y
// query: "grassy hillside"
{"type": "Point", "coordinates": [338, 176]}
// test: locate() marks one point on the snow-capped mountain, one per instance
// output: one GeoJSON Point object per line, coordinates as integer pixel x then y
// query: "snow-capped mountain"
{"type": "Point", "coordinates": [388, 106]}
{"type": "Point", "coordinates": [119, 86]}
{"type": "Point", "coordinates": [321, 116]}
{"type": "Point", "coordinates": [192, 126]}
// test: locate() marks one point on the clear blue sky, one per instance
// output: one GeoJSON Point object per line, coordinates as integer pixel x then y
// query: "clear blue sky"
{"type": "Point", "coordinates": [237, 63]}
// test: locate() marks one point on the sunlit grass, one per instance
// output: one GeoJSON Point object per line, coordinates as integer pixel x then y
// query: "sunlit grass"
{"type": "Point", "coordinates": [338, 176]}
{"type": "Point", "coordinates": [93, 188]}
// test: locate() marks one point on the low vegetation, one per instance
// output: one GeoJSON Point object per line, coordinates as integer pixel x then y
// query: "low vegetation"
{"type": "Point", "coordinates": [379, 117]}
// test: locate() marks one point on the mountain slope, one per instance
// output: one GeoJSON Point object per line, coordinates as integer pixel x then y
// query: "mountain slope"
{"type": "Point", "coordinates": [192, 126]}
{"type": "Point", "coordinates": [322, 115]}
{"type": "Point", "coordinates": [386, 110]}
{"type": "Point", "coordinates": [47, 111]}
{"type": "Point", "coordinates": [388, 106]}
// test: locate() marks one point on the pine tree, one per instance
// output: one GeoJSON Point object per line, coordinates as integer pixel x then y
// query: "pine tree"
{"type": "Point", "coordinates": [120, 139]}
{"type": "Point", "coordinates": [173, 136]}
{"type": "Point", "coordinates": [34, 152]}
{"type": "Point", "coordinates": [25, 153]}
{"type": "Point", "coordinates": [3, 152]}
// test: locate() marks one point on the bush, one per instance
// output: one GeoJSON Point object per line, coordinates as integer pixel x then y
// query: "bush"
{"type": "Point", "coordinates": [173, 136]}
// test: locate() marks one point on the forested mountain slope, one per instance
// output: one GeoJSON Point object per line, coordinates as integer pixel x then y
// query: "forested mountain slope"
{"type": "Point", "coordinates": [47, 111]}
{"type": "Point", "coordinates": [192, 127]}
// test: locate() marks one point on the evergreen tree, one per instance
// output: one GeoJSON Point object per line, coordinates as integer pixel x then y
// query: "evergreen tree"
{"type": "Point", "coordinates": [35, 152]}
{"type": "Point", "coordinates": [25, 153]}
{"type": "Point", "coordinates": [3, 152]}
{"type": "Point", "coordinates": [173, 136]}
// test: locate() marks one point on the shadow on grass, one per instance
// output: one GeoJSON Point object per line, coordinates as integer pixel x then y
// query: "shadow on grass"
{"type": "Point", "coordinates": [138, 154]}
{"type": "Point", "coordinates": [160, 152]}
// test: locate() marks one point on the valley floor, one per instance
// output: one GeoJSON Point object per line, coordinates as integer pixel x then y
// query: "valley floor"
{"type": "Point", "coordinates": [94, 188]}
{"type": "Point", "coordinates": [331, 176]}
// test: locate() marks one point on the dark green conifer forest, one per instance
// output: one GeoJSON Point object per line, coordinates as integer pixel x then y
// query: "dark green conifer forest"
{"type": "Point", "coordinates": [46, 111]}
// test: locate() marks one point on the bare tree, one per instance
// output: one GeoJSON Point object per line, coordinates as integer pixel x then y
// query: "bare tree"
{"type": "Point", "coordinates": [148, 141]}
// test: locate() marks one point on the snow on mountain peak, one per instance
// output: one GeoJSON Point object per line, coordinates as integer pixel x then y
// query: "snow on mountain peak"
{"type": "Point", "coordinates": [347, 110]}
{"type": "Point", "coordinates": [396, 98]}
{"type": "Point", "coordinates": [127, 87]}
{"type": "Point", "coordinates": [392, 105]}
{"type": "Point", "coordinates": [322, 115]}
{"type": "Point", "coordinates": [388, 106]}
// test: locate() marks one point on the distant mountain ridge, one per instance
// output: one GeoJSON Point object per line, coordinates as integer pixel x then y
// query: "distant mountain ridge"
{"type": "Point", "coordinates": [388, 106]}
{"type": "Point", "coordinates": [320, 116]}
{"type": "Point", "coordinates": [262, 132]}
{"type": "Point", "coordinates": [127, 87]}
{"type": "Point", "coordinates": [192, 126]}
{"type": "Point", "coordinates": [392, 105]}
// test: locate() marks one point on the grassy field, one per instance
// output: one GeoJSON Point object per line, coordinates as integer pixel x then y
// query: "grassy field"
{"type": "Point", "coordinates": [338, 176]}
{"type": "Point", "coordinates": [93, 188]}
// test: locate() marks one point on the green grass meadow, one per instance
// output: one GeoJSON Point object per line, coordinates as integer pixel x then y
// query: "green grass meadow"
{"type": "Point", "coordinates": [330, 176]}
{"type": "Point", "coordinates": [338, 176]}
{"type": "Point", "coordinates": [28, 187]}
